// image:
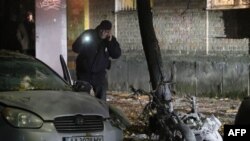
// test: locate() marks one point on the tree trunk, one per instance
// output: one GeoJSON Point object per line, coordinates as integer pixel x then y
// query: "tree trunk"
{"type": "Point", "coordinates": [150, 42]}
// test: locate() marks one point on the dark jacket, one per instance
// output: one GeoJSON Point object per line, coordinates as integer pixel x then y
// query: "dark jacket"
{"type": "Point", "coordinates": [94, 53]}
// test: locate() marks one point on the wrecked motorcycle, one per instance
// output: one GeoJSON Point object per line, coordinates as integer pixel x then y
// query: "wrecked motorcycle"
{"type": "Point", "coordinates": [159, 119]}
{"type": "Point", "coordinates": [204, 128]}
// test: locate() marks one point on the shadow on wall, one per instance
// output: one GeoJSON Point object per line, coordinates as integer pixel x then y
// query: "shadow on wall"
{"type": "Point", "coordinates": [212, 78]}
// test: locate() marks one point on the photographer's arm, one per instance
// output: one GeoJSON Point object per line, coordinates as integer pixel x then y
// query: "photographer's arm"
{"type": "Point", "coordinates": [76, 45]}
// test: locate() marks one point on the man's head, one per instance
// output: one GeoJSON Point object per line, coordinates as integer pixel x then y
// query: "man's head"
{"type": "Point", "coordinates": [105, 29]}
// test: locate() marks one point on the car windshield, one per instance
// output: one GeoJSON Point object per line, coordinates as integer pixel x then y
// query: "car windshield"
{"type": "Point", "coordinates": [22, 74]}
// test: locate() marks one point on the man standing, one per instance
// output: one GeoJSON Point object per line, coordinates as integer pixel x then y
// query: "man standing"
{"type": "Point", "coordinates": [95, 47]}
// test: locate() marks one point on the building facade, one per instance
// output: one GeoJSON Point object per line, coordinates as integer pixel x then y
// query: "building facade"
{"type": "Point", "coordinates": [208, 49]}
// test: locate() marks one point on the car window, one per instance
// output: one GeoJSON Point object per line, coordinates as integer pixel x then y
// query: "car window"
{"type": "Point", "coordinates": [21, 74]}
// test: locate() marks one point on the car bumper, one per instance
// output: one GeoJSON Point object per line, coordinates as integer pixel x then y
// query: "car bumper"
{"type": "Point", "coordinates": [48, 133]}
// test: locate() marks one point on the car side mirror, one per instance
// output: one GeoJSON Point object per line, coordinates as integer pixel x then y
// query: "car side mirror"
{"type": "Point", "coordinates": [81, 86]}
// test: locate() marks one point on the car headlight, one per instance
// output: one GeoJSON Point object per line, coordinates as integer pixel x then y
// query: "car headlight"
{"type": "Point", "coordinates": [22, 119]}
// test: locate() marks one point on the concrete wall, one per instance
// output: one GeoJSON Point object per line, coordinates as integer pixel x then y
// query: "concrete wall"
{"type": "Point", "coordinates": [210, 75]}
{"type": "Point", "coordinates": [208, 59]}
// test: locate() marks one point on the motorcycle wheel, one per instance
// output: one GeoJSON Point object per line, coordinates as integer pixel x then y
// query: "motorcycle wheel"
{"type": "Point", "coordinates": [180, 132]}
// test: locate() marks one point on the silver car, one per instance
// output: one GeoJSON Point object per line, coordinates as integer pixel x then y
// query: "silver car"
{"type": "Point", "coordinates": [36, 104]}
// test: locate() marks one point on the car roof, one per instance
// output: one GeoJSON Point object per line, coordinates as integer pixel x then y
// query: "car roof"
{"type": "Point", "coordinates": [12, 54]}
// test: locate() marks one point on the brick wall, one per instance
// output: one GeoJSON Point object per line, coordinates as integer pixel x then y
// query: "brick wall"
{"type": "Point", "coordinates": [182, 31]}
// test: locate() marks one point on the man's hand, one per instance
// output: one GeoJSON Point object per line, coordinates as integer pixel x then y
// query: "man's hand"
{"type": "Point", "coordinates": [106, 34]}
{"type": "Point", "coordinates": [109, 36]}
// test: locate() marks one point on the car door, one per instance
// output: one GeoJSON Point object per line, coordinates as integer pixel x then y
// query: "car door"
{"type": "Point", "coordinates": [66, 74]}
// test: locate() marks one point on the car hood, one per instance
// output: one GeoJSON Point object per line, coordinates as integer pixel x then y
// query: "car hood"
{"type": "Point", "coordinates": [52, 104]}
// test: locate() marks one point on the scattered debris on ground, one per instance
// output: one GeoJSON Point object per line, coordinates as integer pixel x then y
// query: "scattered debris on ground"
{"type": "Point", "coordinates": [223, 108]}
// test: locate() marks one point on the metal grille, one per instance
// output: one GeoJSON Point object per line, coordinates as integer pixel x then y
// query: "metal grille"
{"type": "Point", "coordinates": [79, 123]}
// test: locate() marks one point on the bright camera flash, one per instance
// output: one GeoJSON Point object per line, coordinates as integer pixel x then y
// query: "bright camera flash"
{"type": "Point", "coordinates": [86, 38]}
